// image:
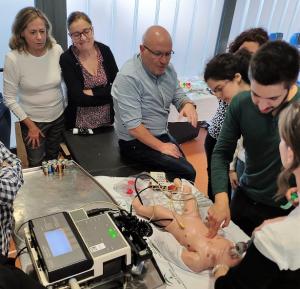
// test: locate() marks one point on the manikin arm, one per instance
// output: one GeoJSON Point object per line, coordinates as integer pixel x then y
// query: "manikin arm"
{"type": "Point", "coordinates": [153, 212]}
{"type": "Point", "coordinates": [190, 205]}
{"type": "Point", "coordinates": [159, 212]}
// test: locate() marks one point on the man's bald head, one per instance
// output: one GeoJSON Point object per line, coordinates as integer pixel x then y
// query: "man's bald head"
{"type": "Point", "coordinates": [156, 33]}
{"type": "Point", "coordinates": [156, 49]}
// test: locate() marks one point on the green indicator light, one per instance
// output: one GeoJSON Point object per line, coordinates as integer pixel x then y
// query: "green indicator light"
{"type": "Point", "coordinates": [112, 233]}
{"type": "Point", "coordinates": [294, 196]}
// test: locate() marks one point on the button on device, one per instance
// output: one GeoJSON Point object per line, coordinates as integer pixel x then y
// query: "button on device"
{"type": "Point", "coordinates": [112, 233]}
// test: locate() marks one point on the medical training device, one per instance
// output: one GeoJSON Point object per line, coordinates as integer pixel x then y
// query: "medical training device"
{"type": "Point", "coordinates": [86, 245]}
{"type": "Point", "coordinates": [158, 181]}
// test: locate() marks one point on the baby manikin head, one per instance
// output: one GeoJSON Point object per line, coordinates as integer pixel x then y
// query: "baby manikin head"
{"type": "Point", "coordinates": [218, 251]}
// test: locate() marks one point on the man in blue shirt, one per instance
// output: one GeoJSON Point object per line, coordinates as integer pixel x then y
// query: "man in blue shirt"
{"type": "Point", "coordinates": [142, 93]}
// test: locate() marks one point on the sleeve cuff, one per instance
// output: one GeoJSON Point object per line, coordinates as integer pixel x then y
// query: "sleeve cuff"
{"type": "Point", "coordinates": [185, 102]}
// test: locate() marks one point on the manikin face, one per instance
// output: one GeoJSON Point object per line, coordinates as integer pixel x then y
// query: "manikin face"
{"type": "Point", "coordinates": [220, 250]}
{"type": "Point", "coordinates": [268, 97]}
{"type": "Point", "coordinates": [35, 35]}
{"type": "Point", "coordinates": [225, 89]}
{"type": "Point", "coordinates": [215, 251]}
{"type": "Point", "coordinates": [286, 154]}
{"type": "Point", "coordinates": [82, 34]}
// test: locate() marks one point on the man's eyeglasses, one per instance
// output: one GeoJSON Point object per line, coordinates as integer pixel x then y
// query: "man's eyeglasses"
{"type": "Point", "coordinates": [218, 89]}
{"type": "Point", "coordinates": [160, 54]}
{"type": "Point", "coordinates": [86, 32]}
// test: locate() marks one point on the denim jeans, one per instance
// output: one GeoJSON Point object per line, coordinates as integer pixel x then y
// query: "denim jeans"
{"type": "Point", "coordinates": [239, 168]}
{"type": "Point", "coordinates": [153, 160]}
{"type": "Point", "coordinates": [49, 145]}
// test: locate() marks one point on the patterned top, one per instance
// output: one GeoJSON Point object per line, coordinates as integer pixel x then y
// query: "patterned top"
{"type": "Point", "coordinates": [92, 116]}
{"type": "Point", "coordinates": [11, 179]}
{"type": "Point", "coordinates": [218, 119]}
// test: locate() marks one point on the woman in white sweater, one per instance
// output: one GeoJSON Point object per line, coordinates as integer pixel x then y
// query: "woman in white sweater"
{"type": "Point", "coordinates": [32, 84]}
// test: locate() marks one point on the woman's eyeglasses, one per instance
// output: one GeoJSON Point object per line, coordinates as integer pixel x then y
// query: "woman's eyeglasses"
{"type": "Point", "coordinates": [86, 32]}
{"type": "Point", "coordinates": [218, 89]}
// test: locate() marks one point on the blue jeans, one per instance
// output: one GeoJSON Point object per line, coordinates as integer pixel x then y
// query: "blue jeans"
{"type": "Point", "coordinates": [49, 145]}
{"type": "Point", "coordinates": [153, 160]}
{"type": "Point", "coordinates": [239, 168]}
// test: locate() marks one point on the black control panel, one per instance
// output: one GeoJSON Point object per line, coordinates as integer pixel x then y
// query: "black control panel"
{"type": "Point", "coordinates": [60, 248]}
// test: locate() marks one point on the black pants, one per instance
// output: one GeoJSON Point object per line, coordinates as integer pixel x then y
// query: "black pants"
{"type": "Point", "coordinates": [14, 278]}
{"type": "Point", "coordinates": [248, 214]}
{"type": "Point", "coordinates": [153, 160]}
{"type": "Point", "coordinates": [209, 145]}
{"type": "Point", "coordinates": [5, 126]}
{"type": "Point", "coordinates": [49, 145]}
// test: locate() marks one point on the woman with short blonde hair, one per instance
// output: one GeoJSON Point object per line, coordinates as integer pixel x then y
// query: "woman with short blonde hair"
{"type": "Point", "coordinates": [32, 84]}
{"type": "Point", "coordinates": [22, 19]}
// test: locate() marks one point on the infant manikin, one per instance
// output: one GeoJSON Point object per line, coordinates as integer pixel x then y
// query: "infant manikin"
{"type": "Point", "coordinates": [196, 252]}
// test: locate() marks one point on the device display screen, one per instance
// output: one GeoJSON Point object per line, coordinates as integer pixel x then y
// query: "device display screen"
{"type": "Point", "coordinates": [58, 242]}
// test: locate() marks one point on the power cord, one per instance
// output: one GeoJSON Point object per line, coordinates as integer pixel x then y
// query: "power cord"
{"type": "Point", "coordinates": [73, 283]}
{"type": "Point", "coordinates": [20, 253]}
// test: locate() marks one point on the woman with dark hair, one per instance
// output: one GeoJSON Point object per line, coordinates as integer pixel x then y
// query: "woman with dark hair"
{"type": "Point", "coordinates": [273, 259]}
{"type": "Point", "coordinates": [226, 75]}
{"type": "Point", "coordinates": [250, 40]}
{"type": "Point", "coordinates": [89, 69]}
{"type": "Point", "coordinates": [32, 84]}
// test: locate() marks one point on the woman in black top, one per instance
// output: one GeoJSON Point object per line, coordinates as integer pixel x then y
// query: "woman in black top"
{"type": "Point", "coordinates": [89, 69]}
{"type": "Point", "coordinates": [226, 75]}
{"type": "Point", "coordinates": [249, 40]}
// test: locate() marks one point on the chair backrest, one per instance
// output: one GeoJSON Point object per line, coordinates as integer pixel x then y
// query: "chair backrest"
{"type": "Point", "coordinates": [275, 36]}
{"type": "Point", "coordinates": [21, 150]}
{"type": "Point", "coordinates": [295, 39]}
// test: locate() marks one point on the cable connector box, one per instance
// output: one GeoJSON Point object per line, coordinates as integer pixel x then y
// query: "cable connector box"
{"type": "Point", "coordinates": [159, 181]}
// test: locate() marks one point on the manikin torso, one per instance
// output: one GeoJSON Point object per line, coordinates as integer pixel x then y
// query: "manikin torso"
{"type": "Point", "coordinates": [189, 230]}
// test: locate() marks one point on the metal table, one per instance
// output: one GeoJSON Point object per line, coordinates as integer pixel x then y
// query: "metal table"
{"type": "Point", "coordinates": [43, 195]}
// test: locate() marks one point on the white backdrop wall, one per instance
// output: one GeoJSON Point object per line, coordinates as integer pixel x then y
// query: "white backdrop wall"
{"type": "Point", "coordinates": [273, 15]}
{"type": "Point", "coordinates": [120, 24]}
{"type": "Point", "coordinates": [193, 25]}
